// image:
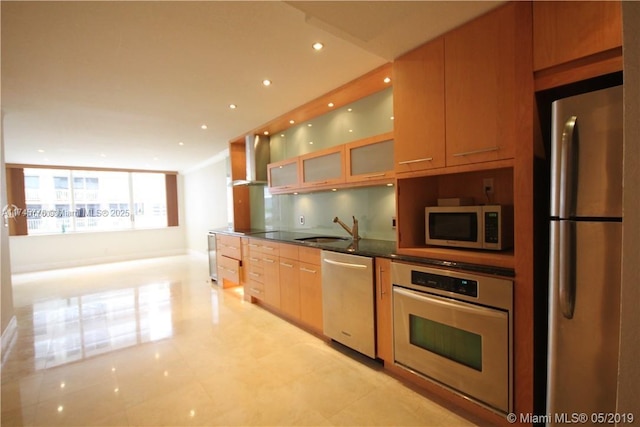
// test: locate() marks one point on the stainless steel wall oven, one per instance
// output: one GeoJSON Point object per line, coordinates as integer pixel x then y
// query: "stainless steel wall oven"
{"type": "Point", "coordinates": [455, 329]}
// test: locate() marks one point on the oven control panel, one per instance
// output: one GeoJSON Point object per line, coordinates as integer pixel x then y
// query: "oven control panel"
{"type": "Point", "coordinates": [445, 283]}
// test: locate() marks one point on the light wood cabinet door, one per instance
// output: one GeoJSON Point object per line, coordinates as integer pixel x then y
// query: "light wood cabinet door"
{"type": "Point", "coordinates": [419, 108]}
{"type": "Point", "coordinates": [284, 176]}
{"type": "Point", "coordinates": [322, 168]}
{"type": "Point", "coordinates": [311, 295]}
{"type": "Point", "coordinates": [487, 70]}
{"type": "Point", "coordinates": [271, 271]}
{"type": "Point", "coordinates": [384, 334]}
{"type": "Point", "coordinates": [564, 31]}
{"type": "Point", "coordinates": [289, 287]}
{"type": "Point", "coordinates": [370, 159]}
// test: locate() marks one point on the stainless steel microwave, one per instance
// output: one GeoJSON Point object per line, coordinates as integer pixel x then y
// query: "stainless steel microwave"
{"type": "Point", "coordinates": [476, 227]}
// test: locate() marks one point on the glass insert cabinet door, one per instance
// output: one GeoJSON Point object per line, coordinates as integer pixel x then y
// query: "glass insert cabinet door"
{"type": "Point", "coordinates": [284, 175]}
{"type": "Point", "coordinates": [370, 159]}
{"type": "Point", "coordinates": [324, 167]}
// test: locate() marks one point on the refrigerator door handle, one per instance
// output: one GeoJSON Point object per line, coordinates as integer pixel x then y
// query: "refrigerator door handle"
{"type": "Point", "coordinates": [568, 165]}
{"type": "Point", "coordinates": [566, 268]}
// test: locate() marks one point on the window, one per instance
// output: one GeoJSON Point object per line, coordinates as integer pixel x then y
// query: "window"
{"type": "Point", "coordinates": [61, 201]}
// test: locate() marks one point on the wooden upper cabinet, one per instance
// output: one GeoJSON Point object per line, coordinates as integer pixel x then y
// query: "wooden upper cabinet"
{"type": "Point", "coordinates": [370, 159]}
{"type": "Point", "coordinates": [564, 31]}
{"type": "Point", "coordinates": [284, 175]}
{"type": "Point", "coordinates": [487, 63]}
{"type": "Point", "coordinates": [418, 105]}
{"type": "Point", "coordinates": [325, 167]}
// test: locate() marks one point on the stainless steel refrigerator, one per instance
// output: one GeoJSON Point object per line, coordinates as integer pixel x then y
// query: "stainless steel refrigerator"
{"type": "Point", "coordinates": [585, 253]}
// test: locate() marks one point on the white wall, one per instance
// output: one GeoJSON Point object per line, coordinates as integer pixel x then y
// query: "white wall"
{"type": "Point", "coordinates": [205, 201]}
{"type": "Point", "coordinates": [33, 253]}
{"type": "Point", "coordinates": [629, 369]}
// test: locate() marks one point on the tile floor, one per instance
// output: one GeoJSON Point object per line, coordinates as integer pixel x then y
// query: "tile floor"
{"type": "Point", "coordinates": [152, 343]}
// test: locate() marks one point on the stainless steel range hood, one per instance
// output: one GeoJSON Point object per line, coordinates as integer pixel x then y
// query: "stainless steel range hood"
{"type": "Point", "coordinates": [258, 156]}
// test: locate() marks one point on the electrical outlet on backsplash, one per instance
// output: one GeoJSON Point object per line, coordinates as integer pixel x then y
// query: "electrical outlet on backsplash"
{"type": "Point", "coordinates": [372, 206]}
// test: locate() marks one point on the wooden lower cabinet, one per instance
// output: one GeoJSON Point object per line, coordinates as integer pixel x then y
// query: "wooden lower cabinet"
{"type": "Point", "coordinates": [271, 271]}
{"type": "Point", "coordinates": [384, 327]}
{"type": "Point", "coordinates": [310, 295]}
{"type": "Point", "coordinates": [289, 287]}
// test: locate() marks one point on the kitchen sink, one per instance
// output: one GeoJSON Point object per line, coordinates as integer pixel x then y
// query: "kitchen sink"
{"type": "Point", "coordinates": [322, 239]}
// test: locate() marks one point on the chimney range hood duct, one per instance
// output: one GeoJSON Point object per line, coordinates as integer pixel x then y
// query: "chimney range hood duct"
{"type": "Point", "coordinates": [258, 157]}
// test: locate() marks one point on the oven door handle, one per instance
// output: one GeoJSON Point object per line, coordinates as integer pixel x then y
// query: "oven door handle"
{"type": "Point", "coordinates": [459, 305]}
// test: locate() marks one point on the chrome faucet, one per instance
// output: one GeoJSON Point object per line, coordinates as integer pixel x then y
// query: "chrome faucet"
{"type": "Point", "coordinates": [353, 231]}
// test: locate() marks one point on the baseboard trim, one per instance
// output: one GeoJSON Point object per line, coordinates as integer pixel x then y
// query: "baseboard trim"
{"type": "Point", "coordinates": [31, 268]}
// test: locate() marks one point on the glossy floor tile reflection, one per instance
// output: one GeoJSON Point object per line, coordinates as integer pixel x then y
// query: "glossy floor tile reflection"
{"type": "Point", "coordinates": [151, 343]}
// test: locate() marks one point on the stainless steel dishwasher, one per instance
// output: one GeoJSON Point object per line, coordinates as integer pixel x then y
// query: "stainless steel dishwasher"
{"type": "Point", "coordinates": [348, 301]}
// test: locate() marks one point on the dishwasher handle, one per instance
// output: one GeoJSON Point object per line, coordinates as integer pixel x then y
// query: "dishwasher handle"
{"type": "Point", "coordinates": [345, 264]}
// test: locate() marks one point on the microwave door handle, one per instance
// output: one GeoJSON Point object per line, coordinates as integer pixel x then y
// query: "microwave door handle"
{"type": "Point", "coordinates": [568, 168]}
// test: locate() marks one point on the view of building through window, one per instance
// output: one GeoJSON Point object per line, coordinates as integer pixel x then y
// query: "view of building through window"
{"type": "Point", "coordinates": [61, 200]}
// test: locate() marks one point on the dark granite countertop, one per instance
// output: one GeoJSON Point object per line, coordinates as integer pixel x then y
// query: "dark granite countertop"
{"type": "Point", "coordinates": [364, 247]}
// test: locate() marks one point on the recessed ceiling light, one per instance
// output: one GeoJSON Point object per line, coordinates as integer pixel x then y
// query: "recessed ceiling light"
{"type": "Point", "coordinates": [282, 135]}
{"type": "Point", "coordinates": [350, 130]}
{"type": "Point", "coordinates": [203, 126]}
{"type": "Point", "coordinates": [266, 82]}
{"type": "Point", "coordinates": [349, 109]}
{"type": "Point", "coordinates": [155, 158]}
{"type": "Point", "coordinates": [103, 155]}
{"type": "Point", "coordinates": [317, 46]}
{"type": "Point", "coordinates": [334, 189]}
{"type": "Point", "coordinates": [41, 151]}
{"type": "Point", "coordinates": [309, 124]}
{"type": "Point", "coordinates": [390, 185]}
{"type": "Point", "coordinates": [310, 142]}
{"type": "Point", "coordinates": [387, 80]}
{"type": "Point", "coordinates": [266, 132]}
{"type": "Point", "coordinates": [392, 118]}
{"type": "Point", "coordinates": [292, 121]}
{"type": "Point", "coordinates": [180, 143]}
{"type": "Point", "coordinates": [233, 106]}
{"type": "Point", "coordinates": [331, 104]}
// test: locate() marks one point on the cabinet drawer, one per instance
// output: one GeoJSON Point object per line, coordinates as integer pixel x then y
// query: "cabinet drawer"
{"type": "Point", "coordinates": [255, 276]}
{"type": "Point", "coordinates": [255, 289]}
{"type": "Point", "coordinates": [269, 248]}
{"type": "Point", "coordinates": [229, 269]}
{"type": "Point", "coordinates": [230, 246]}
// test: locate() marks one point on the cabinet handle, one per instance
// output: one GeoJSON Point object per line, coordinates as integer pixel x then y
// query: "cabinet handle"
{"type": "Point", "coordinates": [254, 259]}
{"type": "Point", "coordinates": [377, 175]}
{"type": "Point", "coordinates": [251, 273]}
{"type": "Point", "coordinates": [380, 282]}
{"type": "Point", "coordinates": [286, 265]}
{"type": "Point", "coordinates": [269, 248]}
{"type": "Point", "coordinates": [270, 261]}
{"type": "Point", "coordinates": [470, 153]}
{"type": "Point", "coordinates": [231, 271]}
{"type": "Point", "coordinates": [406, 162]}
{"type": "Point", "coordinates": [253, 245]}
{"type": "Point", "coordinates": [255, 291]}
{"type": "Point", "coordinates": [307, 270]}
{"type": "Point", "coordinates": [232, 248]}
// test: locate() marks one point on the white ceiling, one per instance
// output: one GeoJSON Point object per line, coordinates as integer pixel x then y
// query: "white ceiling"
{"type": "Point", "coordinates": [121, 83]}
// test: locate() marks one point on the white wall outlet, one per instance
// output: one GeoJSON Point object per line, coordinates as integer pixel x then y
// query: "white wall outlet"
{"type": "Point", "coordinates": [487, 185]}
{"type": "Point", "coordinates": [301, 219]}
